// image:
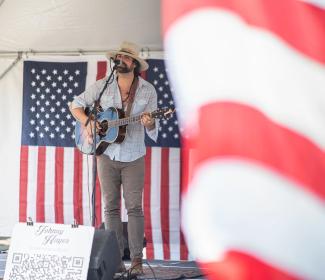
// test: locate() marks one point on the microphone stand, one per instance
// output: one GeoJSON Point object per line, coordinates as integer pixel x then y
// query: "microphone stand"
{"type": "Point", "coordinates": [93, 116]}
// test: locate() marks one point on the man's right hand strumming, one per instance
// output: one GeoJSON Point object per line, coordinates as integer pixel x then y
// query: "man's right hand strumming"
{"type": "Point", "coordinates": [79, 114]}
{"type": "Point", "coordinates": [90, 128]}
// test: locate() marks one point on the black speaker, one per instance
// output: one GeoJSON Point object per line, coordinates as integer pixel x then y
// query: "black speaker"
{"type": "Point", "coordinates": [105, 255]}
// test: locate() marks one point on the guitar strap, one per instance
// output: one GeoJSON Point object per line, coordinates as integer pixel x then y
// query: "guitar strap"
{"type": "Point", "coordinates": [133, 89]}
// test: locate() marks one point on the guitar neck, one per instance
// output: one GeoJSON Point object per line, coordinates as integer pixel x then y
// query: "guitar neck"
{"type": "Point", "coordinates": [159, 113]}
{"type": "Point", "coordinates": [125, 121]}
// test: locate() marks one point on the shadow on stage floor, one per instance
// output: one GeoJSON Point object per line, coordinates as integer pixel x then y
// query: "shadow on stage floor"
{"type": "Point", "coordinates": [154, 269]}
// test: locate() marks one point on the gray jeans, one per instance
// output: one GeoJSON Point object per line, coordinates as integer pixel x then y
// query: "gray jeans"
{"type": "Point", "coordinates": [112, 174]}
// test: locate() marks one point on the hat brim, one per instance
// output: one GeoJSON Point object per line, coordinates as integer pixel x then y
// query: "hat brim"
{"type": "Point", "coordinates": [143, 64]}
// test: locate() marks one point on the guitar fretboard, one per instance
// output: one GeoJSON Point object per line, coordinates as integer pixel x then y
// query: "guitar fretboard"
{"type": "Point", "coordinates": [133, 119]}
{"type": "Point", "coordinates": [124, 121]}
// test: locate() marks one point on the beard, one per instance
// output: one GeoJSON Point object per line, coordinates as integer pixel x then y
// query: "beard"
{"type": "Point", "coordinates": [124, 69]}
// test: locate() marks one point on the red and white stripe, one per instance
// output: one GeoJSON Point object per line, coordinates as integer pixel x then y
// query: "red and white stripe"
{"type": "Point", "coordinates": [162, 203]}
{"type": "Point", "coordinates": [249, 78]}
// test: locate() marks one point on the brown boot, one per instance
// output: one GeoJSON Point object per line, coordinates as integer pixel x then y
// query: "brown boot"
{"type": "Point", "coordinates": [136, 266]}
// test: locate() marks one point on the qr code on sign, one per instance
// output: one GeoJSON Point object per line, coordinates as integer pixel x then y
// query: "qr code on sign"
{"type": "Point", "coordinates": [49, 267]}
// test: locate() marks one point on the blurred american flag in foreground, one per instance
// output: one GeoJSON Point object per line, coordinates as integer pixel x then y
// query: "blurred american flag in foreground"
{"type": "Point", "coordinates": [249, 80]}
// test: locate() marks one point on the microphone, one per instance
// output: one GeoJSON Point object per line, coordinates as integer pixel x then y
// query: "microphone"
{"type": "Point", "coordinates": [117, 63]}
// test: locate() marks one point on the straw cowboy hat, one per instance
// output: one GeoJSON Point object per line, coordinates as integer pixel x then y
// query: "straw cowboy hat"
{"type": "Point", "coordinates": [132, 50]}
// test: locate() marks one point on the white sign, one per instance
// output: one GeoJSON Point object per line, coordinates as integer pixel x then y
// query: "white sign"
{"type": "Point", "coordinates": [49, 251]}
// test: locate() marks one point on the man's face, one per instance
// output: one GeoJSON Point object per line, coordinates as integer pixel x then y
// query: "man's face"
{"type": "Point", "coordinates": [127, 63]}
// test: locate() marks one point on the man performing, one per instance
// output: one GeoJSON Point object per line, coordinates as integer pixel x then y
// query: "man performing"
{"type": "Point", "coordinates": [123, 164]}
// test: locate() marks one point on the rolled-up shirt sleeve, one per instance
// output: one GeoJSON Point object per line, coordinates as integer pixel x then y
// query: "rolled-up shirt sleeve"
{"type": "Point", "coordinates": [152, 106]}
{"type": "Point", "coordinates": [88, 97]}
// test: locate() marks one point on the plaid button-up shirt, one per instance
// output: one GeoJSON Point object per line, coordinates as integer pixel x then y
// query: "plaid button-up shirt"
{"type": "Point", "coordinates": [145, 100]}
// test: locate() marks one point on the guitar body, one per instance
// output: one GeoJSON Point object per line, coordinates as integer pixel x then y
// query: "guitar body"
{"type": "Point", "coordinates": [105, 137]}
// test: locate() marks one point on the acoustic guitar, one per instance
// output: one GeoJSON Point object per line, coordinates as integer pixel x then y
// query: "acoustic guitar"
{"type": "Point", "coordinates": [113, 125]}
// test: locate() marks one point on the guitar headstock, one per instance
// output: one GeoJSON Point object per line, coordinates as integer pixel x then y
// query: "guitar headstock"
{"type": "Point", "coordinates": [163, 113]}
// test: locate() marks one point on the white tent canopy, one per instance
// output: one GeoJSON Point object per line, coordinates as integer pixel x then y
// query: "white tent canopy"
{"type": "Point", "coordinates": [72, 25]}
{"type": "Point", "coordinates": [58, 27]}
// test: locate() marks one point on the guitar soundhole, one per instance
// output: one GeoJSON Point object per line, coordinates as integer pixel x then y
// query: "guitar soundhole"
{"type": "Point", "coordinates": [103, 128]}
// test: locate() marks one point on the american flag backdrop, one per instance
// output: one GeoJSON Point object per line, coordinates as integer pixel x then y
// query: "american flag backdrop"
{"type": "Point", "coordinates": [252, 102]}
{"type": "Point", "coordinates": [56, 179]}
